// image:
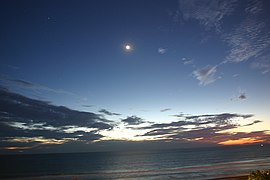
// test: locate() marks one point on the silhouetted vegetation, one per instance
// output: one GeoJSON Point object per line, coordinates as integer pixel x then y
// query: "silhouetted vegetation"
{"type": "Point", "coordinates": [259, 175]}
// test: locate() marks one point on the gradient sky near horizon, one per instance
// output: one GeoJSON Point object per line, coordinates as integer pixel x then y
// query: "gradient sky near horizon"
{"type": "Point", "coordinates": [197, 71]}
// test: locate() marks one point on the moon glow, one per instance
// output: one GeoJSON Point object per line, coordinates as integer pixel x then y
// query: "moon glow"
{"type": "Point", "coordinates": [128, 47]}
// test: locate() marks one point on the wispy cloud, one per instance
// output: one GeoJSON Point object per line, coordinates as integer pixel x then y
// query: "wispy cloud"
{"type": "Point", "coordinates": [206, 75]}
{"type": "Point", "coordinates": [254, 7]}
{"type": "Point", "coordinates": [33, 86]}
{"type": "Point", "coordinates": [14, 67]}
{"type": "Point", "coordinates": [209, 13]}
{"type": "Point", "coordinates": [36, 90]}
{"type": "Point", "coordinates": [106, 112]}
{"type": "Point", "coordinates": [262, 63]}
{"type": "Point", "coordinates": [250, 39]}
{"type": "Point", "coordinates": [23, 83]}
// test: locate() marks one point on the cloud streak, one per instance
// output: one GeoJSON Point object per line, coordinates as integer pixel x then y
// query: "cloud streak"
{"type": "Point", "coordinates": [254, 122]}
{"type": "Point", "coordinates": [10, 82]}
{"type": "Point", "coordinates": [166, 109]}
{"type": "Point", "coordinates": [106, 112]}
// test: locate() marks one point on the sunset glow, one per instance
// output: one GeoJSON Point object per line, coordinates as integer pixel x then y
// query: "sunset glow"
{"type": "Point", "coordinates": [241, 141]}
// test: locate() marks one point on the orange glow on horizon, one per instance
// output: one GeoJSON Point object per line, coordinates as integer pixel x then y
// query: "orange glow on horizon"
{"type": "Point", "coordinates": [14, 148]}
{"type": "Point", "coordinates": [240, 141]}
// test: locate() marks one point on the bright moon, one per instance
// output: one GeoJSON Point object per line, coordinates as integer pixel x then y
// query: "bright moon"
{"type": "Point", "coordinates": [127, 47]}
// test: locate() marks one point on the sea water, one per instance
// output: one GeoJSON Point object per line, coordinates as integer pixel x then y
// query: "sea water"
{"type": "Point", "coordinates": [196, 163]}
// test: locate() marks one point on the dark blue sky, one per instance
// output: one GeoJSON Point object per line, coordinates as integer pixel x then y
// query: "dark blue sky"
{"type": "Point", "coordinates": [188, 58]}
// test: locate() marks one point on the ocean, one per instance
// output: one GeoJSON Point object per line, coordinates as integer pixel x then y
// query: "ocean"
{"type": "Point", "coordinates": [196, 163]}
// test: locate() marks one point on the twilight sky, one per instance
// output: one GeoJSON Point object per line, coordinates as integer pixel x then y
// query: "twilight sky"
{"type": "Point", "coordinates": [196, 73]}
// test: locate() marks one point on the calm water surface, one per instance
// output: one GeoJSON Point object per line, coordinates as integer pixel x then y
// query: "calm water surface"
{"type": "Point", "coordinates": [198, 163]}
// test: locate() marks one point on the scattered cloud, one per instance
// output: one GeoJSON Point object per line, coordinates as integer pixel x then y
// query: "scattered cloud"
{"type": "Point", "coordinates": [133, 120]}
{"type": "Point", "coordinates": [242, 96]}
{"type": "Point", "coordinates": [31, 124]}
{"type": "Point", "coordinates": [206, 75]}
{"type": "Point", "coordinates": [187, 61]}
{"type": "Point", "coordinates": [106, 112]}
{"type": "Point", "coordinates": [162, 50]}
{"type": "Point", "coordinates": [166, 109]}
{"type": "Point", "coordinates": [207, 128]}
